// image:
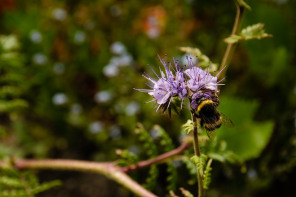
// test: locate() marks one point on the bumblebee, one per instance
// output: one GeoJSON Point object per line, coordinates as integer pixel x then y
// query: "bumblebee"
{"type": "Point", "coordinates": [211, 118]}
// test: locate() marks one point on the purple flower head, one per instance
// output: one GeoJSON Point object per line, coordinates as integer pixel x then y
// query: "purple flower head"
{"type": "Point", "coordinates": [162, 91]}
{"type": "Point", "coordinates": [170, 83]}
{"type": "Point", "coordinates": [199, 79]}
{"type": "Point", "coordinates": [194, 83]}
{"type": "Point", "coordinates": [178, 82]}
{"type": "Point", "coordinates": [201, 84]}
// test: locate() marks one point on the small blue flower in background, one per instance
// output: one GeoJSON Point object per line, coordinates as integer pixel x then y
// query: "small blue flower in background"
{"type": "Point", "coordinates": [175, 81]}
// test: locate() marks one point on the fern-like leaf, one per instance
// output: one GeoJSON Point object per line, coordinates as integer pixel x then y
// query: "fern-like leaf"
{"type": "Point", "coordinates": [126, 158]}
{"type": "Point", "coordinates": [165, 140]}
{"type": "Point", "coordinates": [46, 186]}
{"type": "Point", "coordinates": [10, 182]}
{"type": "Point", "coordinates": [14, 183]}
{"type": "Point", "coordinates": [151, 150]}
{"type": "Point", "coordinates": [188, 126]}
{"type": "Point", "coordinates": [207, 175]}
{"type": "Point", "coordinates": [172, 176]}
{"type": "Point", "coordinates": [190, 165]}
{"type": "Point", "coordinates": [152, 177]}
{"type": "Point", "coordinates": [148, 144]}
{"type": "Point", "coordinates": [200, 162]}
{"type": "Point", "coordinates": [167, 144]}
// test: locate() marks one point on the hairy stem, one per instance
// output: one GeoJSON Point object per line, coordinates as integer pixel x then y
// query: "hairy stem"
{"type": "Point", "coordinates": [231, 46]}
{"type": "Point", "coordinates": [201, 191]}
{"type": "Point", "coordinates": [108, 169]}
{"type": "Point", "coordinates": [158, 159]}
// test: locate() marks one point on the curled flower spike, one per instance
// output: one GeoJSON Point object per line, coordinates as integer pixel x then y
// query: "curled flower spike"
{"type": "Point", "coordinates": [170, 83]}
{"type": "Point", "coordinates": [193, 83]}
{"type": "Point", "coordinates": [200, 79]}
{"type": "Point", "coordinates": [201, 84]}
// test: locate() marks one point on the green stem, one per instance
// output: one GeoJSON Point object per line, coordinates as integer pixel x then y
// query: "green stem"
{"type": "Point", "coordinates": [201, 191]}
{"type": "Point", "coordinates": [231, 46]}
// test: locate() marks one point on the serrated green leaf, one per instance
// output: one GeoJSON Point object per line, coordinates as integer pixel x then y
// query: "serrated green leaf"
{"type": "Point", "coordinates": [232, 39]}
{"type": "Point", "coordinates": [251, 32]}
{"type": "Point", "coordinates": [255, 31]}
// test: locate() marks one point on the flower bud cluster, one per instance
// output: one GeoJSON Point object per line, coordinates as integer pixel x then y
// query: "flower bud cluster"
{"type": "Point", "coordinates": [193, 83]}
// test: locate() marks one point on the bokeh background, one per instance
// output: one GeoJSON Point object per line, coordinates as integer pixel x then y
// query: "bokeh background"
{"type": "Point", "coordinates": [68, 69]}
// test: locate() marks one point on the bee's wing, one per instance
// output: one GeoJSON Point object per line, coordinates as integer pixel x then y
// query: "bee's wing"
{"type": "Point", "coordinates": [226, 121]}
{"type": "Point", "coordinates": [211, 134]}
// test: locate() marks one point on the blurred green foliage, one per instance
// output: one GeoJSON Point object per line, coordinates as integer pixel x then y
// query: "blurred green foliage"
{"type": "Point", "coordinates": [68, 69]}
{"type": "Point", "coordinates": [21, 184]}
{"type": "Point", "coordinates": [248, 138]}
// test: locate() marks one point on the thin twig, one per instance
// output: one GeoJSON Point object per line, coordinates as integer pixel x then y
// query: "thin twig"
{"type": "Point", "coordinates": [158, 159]}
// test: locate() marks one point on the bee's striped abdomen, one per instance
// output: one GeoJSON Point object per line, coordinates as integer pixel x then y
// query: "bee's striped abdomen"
{"type": "Point", "coordinates": [211, 118]}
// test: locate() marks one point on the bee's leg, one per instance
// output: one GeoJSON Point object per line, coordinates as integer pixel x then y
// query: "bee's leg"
{"type": "Point", "coordinates": [194, 113]}
{"type": "Point", "coordinates": [201, 123]}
